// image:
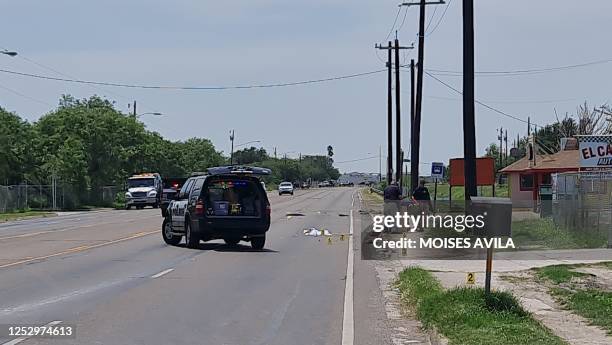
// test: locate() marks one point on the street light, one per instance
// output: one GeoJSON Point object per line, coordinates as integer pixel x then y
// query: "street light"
{"type": "Point", "coordinates": [154, 114]}
{"type": "Point", "coordinates": [249, 142]}
{"type": "Point", "coordinates": [9, 53]}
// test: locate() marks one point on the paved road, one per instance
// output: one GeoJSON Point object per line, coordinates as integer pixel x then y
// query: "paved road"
{"type": "Point", "coordinates": [110, 274]}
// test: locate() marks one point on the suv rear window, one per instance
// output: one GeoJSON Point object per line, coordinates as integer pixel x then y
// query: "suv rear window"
{"type": "Point", "coordinates": [227, 197]}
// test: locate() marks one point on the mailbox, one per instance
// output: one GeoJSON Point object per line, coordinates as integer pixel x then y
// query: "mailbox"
{"type": "Point", "coordinates": [497, 214]}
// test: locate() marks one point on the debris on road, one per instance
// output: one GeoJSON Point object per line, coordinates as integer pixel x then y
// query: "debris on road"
{"type": "Point", "coordinates": [316, 232]}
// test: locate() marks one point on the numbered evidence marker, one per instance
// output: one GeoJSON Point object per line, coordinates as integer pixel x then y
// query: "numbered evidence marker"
{"type": "Point", "coordinates": [342, 237]}
{"type": "Point", "coordinates": [471, 278]}
{"type": "Point", "coordinates": [329, 240]}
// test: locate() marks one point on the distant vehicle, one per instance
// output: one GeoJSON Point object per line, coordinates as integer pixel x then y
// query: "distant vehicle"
{"type": "Point", "coordinates": [143, 190]}
{"type": "Point", "coordinates": [171, 187]}
{"type": "Point", "coordinates": [226, 203]}
{"type": "Point", "coordinates": [285, 188]}
{"type": "Point", "coordinates": [305, 185]}
{"type": "Point", "coordinates": [346, 184]}
{"type": "Point", "coordinates": [324, 184]}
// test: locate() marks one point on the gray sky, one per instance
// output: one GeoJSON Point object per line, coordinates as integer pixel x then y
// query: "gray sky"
{"type": "Point", "coordinates": [208, 43]}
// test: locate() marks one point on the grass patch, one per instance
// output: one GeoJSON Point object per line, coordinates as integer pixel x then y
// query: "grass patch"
{"type": "Point", "coordinates": [593, 304]}
{"type": "Point", "coordinates": [467, 316]}
{"type": "Point", "coordinates": [5, 217]}
{"type": "Point", "coordinates": [559, 273]}
{"type": "Point", "coordinates": [458, 192]}
{"type": "Point", "coordinates": [543, 233]}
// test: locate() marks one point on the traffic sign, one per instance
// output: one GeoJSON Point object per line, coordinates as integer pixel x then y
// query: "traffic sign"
{"type": "Point", "coordinates": [437, 170]}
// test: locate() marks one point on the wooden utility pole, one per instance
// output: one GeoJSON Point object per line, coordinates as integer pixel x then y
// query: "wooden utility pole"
{"type": "Point", "coordinates": [416, 132]}
{"type": "Point", "coordinates": [390, 168]}
{"type": "Point", "coordinates": [469, 125]}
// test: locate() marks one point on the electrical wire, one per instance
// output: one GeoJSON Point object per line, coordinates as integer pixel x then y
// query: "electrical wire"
{"type": "Point", "coordinates": [440, 20]}
{"type": "Point", "coordinates": [25, 96]}
{"type": "Point", "coordinates": [479, 102]}
{"type": "Point", "coordinates": [169, 87]}
{"type": "Point", "coordinates": [521, 72]}
{"type": "Point", "coordinates": [394, 22]}
{"type": "Point", "coordinates": [430, 20]}
{"type": "Point", "coordinates": [357, 160]}
{"type": "Point", "coordinates": [21, 56]}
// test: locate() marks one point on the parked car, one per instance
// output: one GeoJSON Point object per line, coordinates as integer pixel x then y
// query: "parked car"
{"type": "Point", "coordinates": [305, 185]}
{"type": "Point", "coordinates": [324, 184]}
{"type": "Point", "coordinates": [285, 188]}
{"type": "Point", "coordinates": [226, 203]}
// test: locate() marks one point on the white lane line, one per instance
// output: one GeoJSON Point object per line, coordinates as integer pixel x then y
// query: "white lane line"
{"type": "Point", "coordinates": [162, 273]}
{"type": "Point", "coordinates": [19, 340]}
{"type": "Point", "coordinates": [348, 322]}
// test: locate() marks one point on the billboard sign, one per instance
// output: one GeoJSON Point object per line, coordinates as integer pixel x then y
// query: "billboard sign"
{"type": "Point", "coordinates": [595, 155]}
{"type": "Point", "coordinates": [485, 171]}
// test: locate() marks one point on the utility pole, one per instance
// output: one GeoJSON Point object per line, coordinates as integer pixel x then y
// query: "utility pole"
{"type": "Point", "coordinates": [416, 133]}
{"type": "Point", "coordinates": [379, 163]}
{"type": "Point", "coordinates": [528, 126]}
{"type": "Point", "coordinates": [506, 152]}
{"type": "Point", "coordinates": [500, 137]}
{"type": "Point", "coordinates": [232, 150]}
{"type": "Point", "coordinates": [469, 125]}
{"type": "Point", "coordinates": [389, 112]}
{"type": "Point", "coordinates": [398, 117]}
{"type": "Point", "coordinates": [414, 154]}
{"type": "Point", "coordinates": [134, 109]}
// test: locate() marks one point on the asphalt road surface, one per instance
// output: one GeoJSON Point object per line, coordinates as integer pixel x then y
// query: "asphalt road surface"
{"type": "Point", "coordinates": [110, 274]}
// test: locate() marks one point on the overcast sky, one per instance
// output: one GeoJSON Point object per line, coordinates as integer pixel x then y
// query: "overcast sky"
{"type": "Point", "coordinates": [217, 43]}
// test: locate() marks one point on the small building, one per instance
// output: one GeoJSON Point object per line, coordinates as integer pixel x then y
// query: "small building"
{"type": "Point", "coordinates": [525, 176]}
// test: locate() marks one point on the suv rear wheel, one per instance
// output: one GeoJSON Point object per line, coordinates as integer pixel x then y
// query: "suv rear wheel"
{"type": "Point", "coordinates": [191, 240]}
{"type": "Point", "coordinates": [167, 234]}
{"type": "Point", "coordinates": [258, 242]}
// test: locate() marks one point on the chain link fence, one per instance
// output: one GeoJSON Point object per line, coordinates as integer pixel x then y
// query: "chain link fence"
{"type": "Point", "coordinates": [582, 202]}
{"type": "Point", "coordinates": [54, 197]}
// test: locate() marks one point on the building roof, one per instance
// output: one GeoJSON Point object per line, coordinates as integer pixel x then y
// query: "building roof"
{"type": "Point", "coordinates": [560, 161]}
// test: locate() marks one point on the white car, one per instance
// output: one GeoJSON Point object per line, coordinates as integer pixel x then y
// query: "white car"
{"type": "Point", "coordinates": [285, 188]}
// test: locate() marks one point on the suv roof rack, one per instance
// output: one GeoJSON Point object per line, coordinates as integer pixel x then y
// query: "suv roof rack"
{"type": "Point", "coordinates": [236, 169]}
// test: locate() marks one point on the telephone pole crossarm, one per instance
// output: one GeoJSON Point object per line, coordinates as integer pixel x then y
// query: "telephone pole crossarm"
{"type": "Point", "coordinates": [418, 3]}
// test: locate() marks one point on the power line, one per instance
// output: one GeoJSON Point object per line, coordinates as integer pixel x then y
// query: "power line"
{"type": "Point", "coordinates": [479, 102]}
{"type": "Point", "coordinates": [25, 96]}
{"type": "Point", "coordinates": [394, 22]}
{"type": "Point", "coordinates": [547, 101]}
{"type": "Point", "coordinates": [21, 56]}
{"type": "Point", "coordinates": [430, 20]}
{"type": "Point", "coordinates": [521, 72]}
{"type": "Point", "coordinates": [404, 19]}
{"type": "Point", "coordinates": [169, 87]}
{"type": "Point", "coordinates": [440, 20]}
{"type": "Point", "coordinates": [357, 160]}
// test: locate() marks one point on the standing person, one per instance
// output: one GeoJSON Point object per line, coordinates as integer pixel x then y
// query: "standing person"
{"type": "Point", "coordinates": [421, 195]}
{"type": "Point", "coordinates": [392, 195]}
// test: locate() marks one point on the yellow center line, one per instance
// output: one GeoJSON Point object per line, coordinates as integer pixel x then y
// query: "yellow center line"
{"type": "Point", "coordinates": [79, 249]}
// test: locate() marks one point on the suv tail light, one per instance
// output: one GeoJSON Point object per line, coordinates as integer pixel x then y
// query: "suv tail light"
{"type": "Point", "coordinates": [199, 207]}
{"type": "Point", "coordinates": [268, 209]}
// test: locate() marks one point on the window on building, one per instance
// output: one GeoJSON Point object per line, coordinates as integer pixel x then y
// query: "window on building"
{"type": "Point", "coordinates": [526, 182]}
{"type": "Point", "coordinates": [546, 179]}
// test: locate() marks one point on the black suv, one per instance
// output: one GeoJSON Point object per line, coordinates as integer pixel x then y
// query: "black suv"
{"type": "Point", "coordinates": [226, 203]}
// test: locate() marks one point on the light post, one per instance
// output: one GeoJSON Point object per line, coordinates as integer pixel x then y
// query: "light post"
{"type": "Point", "coordinates": [152, 113]}
{"type": "Point", "coordinates": [237, 146]}
{"type": "Point", "coordinates": [9, 53]}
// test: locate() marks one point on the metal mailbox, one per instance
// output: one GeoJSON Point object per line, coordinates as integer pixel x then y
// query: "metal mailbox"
{"type": "Point", "coordinates": [497, 214]}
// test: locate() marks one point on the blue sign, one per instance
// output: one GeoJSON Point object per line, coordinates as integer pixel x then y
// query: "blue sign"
{"type": "Point", "coordinates": [437, 170]}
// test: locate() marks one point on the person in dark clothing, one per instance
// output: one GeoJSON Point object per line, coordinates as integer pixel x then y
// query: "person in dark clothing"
{"type": "Point", "coordinates": [421, 195]}
{"type": "Point", "coordinates": [392, 192]}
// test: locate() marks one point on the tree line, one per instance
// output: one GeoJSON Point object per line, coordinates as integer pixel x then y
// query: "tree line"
{"type": "Point", "coordinates": [87, 144]}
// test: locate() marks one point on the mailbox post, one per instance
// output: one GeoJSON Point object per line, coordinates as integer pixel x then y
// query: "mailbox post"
{"type": "Point", "coordinates": [497, 214]}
